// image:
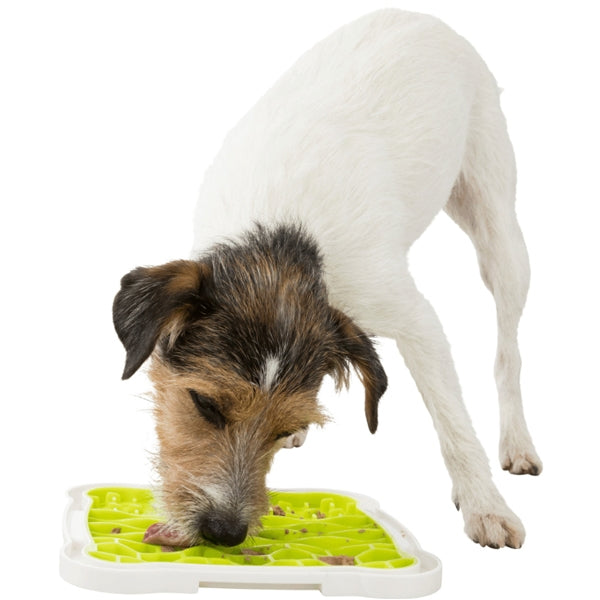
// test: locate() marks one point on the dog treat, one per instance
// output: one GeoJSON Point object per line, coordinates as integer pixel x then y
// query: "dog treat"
{"type": "Point", "coordinates": [160, 535]}
{"type": "Point", "coordinates": [320, 515]}
{"type": "Point", "coordinates": [278, 511]}
{"type": "Point", "coordinates": [116, 530]}
{"type": "Point", "coordinates": [339, 560]}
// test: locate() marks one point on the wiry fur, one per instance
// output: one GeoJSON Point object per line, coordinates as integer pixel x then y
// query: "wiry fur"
{"type": "Point", "coordinates": [242, 339]}
{"type": "Point", "coordinates": [343, 164]}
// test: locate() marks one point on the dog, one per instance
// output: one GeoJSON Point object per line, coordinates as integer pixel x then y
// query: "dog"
{"type": "Point", "coordinates": [302, 230]}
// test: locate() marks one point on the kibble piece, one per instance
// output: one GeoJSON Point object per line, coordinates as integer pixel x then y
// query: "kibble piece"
{"type": "Point", "coordinates": [278, 511]}
{"type": "Point", "coordinates": [116, 530]}
{"type": "Point", "coordinates": [338, 560]}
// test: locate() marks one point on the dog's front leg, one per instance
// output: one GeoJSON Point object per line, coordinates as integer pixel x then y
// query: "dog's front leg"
{"type": "Point", "coordinates": [422, 343]}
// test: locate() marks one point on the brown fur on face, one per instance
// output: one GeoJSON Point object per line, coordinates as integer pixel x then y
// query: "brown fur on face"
{"type": "Point", "coordinates": [242, 340]}
{"type": "Point", "coordinates": [207, 470]}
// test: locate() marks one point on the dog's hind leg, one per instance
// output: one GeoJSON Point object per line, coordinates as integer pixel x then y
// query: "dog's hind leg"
{"type": "Point", "coordinates": [422, 343]}
{"type": "Point", "coordinates": [483, 205]}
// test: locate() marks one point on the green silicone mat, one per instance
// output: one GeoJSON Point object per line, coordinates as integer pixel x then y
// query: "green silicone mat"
{"type": "Point", "coordinates": [309, 529]}
{"type": "Point", "coordinates": [339, 543]}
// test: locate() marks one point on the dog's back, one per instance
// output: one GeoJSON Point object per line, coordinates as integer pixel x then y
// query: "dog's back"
{"type": "Point", "coordinates": [361, 141]}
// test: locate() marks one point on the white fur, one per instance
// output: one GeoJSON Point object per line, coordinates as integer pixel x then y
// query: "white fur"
{"type": "Point", "coordinates": [218, 494]}
{"type": "Point", "coordinates": [370, 134]}
{"type": "Point", "coordinates": [270, 372]}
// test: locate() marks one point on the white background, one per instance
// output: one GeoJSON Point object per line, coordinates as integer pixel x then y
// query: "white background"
{"type": "Point", "coordinates": [109, 114]}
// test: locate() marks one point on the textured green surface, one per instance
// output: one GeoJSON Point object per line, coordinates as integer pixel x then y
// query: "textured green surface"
{"type": "Point", "coordinates": [315, 525]}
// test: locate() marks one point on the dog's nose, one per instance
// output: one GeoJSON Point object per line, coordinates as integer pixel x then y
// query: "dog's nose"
{"type": "Point", "coordinates": [223, 531]}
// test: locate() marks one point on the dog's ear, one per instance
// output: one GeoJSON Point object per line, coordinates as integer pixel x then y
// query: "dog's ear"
{"type": "Point", "coordinates": [155, 302]}
{"type": "Point", "coordinates": [353, 346]}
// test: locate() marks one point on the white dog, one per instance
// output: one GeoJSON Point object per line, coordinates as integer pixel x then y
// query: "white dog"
{"type": "Point", "coordinates": [350, 155]}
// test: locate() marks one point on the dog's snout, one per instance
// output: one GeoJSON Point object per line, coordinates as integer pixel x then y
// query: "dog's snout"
{"type": "Point", "coordinates": [223, 530]}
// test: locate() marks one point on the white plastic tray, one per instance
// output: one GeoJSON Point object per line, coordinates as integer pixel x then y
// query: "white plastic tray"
{"type": "Point", "coordinates": [81, 569]}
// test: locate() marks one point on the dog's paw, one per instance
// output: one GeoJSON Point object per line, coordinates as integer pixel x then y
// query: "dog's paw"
{"type": "Point", "coordinates": [520, 460]}
{"type": "Point", "coordinates": [296, 439]}
{"type": "Point", "coordinates": [495, 530]}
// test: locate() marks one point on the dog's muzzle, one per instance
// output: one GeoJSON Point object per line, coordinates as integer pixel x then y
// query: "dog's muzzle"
{"type": "Point", "coordinates": [223, 530]}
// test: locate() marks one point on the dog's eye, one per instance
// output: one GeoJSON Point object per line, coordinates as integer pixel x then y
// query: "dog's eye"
{"type": "Point", "coordinates": [208, 408]}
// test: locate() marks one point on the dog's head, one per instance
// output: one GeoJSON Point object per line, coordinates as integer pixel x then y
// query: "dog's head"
{"type": "Point", "coordinates": [240, 342]}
